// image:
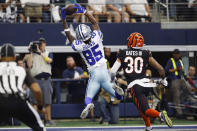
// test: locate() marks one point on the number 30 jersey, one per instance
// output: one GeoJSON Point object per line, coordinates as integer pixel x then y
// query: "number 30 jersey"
{"type": "Point", "coordinates": [134, 62]}
{"type": "Point", "coordinates": [93, 53]}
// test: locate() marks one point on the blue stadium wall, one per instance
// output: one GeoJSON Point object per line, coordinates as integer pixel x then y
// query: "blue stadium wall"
{"type": "Point", "coordinates": [74, 110]}
{"type": "Point", "coordinates": [114, 34]}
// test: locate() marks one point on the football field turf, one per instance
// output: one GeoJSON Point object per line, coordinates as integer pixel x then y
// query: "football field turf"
{"type": "Point", "coordinates": [129, 125]}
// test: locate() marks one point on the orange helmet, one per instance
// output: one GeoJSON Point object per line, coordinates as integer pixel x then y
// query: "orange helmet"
{"type": "Point", "coordinates": [135, 40]}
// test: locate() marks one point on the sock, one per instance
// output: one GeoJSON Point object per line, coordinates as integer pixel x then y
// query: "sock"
{"type": "Point", "coordinates": [152, 113]}
{"type": "Point", "coordinates": [88, 100]}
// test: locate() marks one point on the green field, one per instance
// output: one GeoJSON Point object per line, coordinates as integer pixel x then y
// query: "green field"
{"type": "Point", "coordinates": [122, 122]}
{"type": "Point", "coordinates": [134, 122]}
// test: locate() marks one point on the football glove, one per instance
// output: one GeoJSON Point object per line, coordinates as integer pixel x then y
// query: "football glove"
{"type": "Point", "coordinates": [79, 8]}
{"type": "Point", "coordinates": [63, 13]}
{"type": "Point", "coordinates": [164, 82]}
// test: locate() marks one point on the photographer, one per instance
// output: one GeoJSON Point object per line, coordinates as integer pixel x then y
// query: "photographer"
{"type": "Point", "coordinates": [39, 63]}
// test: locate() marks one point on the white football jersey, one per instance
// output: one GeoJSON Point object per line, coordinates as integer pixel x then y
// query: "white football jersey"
{"type": "Point", "coordinates": [93, 53]}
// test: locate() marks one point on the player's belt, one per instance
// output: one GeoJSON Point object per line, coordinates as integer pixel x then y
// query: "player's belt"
{"type": "Point", "coordinates": [4, 95]}
{"type": "Point", "coordinates": [144, 82]}
{"type": "Point", "coordinates": [12, 95]}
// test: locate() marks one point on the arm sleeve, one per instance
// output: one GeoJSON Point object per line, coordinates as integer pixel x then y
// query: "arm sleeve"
{"type": "Point", "coordinates": [29, 79]}
{"type": "Point", "coordinates": [115, 67]}
{"type": "Point", "coordinates": [77, 45]}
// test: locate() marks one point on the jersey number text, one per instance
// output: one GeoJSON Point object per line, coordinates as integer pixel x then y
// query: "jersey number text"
{"type": "Point", "coordinates": [92, 55]}
{"type": "Point", "coordinates": [135, 65]}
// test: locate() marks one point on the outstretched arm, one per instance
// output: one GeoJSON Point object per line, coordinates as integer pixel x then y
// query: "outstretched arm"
{"type": "Point", "coordinates": [115, 68]}
{"type": "Point", "coordinates": [95, 25]}
{"type": "Point", "coordinates": [71, 38]}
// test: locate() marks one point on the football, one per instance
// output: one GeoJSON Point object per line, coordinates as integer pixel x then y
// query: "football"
{"type": "Point", "coordinates": [70, 9]}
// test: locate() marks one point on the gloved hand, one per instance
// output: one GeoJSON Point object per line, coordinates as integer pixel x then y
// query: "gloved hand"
{"type": "Point", "coordinates": [79, 8]}
{"type": "Point", "coordinates": [63, 13]}
{"type": "Point", "coordinates": [164, 82]}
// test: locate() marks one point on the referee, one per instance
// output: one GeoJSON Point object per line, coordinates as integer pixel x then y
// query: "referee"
{"type": "Point", "coordinates": [12, 94]}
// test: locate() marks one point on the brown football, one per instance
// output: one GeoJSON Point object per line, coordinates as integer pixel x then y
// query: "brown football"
{"type": "Point", "coordinates": [70, 9]}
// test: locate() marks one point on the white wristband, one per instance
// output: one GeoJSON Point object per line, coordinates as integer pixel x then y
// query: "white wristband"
{"type": "Point", "coordinates": [66, 30]}
{"type": "Point", "coordinates": [115, 67]}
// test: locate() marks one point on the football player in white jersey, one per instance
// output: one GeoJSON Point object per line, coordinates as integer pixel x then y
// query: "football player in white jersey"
{"type": "Point", "coordinates": [89, 44]}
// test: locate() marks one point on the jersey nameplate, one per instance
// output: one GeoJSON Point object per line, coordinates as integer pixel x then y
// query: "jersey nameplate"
{"type": "Point", "coordinates": [134, 53]}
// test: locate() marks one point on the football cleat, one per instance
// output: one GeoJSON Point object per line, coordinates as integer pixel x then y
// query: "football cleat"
{"type": "Point", "coordinates": [166, 119]}
{"type": "Point", "coordinates": [148, 129]}
{"type": "Point", "coordinates": [86, 110]}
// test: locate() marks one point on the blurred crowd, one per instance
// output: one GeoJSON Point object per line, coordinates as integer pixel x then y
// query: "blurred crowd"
{"type": "Point", "coordinates": [19, 11]}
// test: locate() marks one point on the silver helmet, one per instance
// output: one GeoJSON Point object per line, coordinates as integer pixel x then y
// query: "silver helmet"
{"type": "Point", "coordinates": [83, 32]}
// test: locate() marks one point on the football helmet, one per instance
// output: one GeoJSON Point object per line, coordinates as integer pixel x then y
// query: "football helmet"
{"type": "Point", "coordinates": [83, 32]}
{"type": "Point", "coordinates": [135, 40]}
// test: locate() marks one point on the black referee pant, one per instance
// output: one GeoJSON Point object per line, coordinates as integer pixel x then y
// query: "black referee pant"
{"type": "Point", "coordinates": [12, 106]}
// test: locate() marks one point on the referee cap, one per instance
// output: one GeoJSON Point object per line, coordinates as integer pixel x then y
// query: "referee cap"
{"type": "Point", "coordinates": [7, 50]}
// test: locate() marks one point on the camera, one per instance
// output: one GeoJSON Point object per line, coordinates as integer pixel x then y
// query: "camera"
{"type": "Point", "coordinates": [33, 46]}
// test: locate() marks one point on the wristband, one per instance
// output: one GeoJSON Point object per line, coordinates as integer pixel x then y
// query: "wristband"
{"type": "Point", "coordinates": [40, 107]}
{"type": "Point", "coordinates": [66, 30]}
{"type": "Point", "coordinates": [46, 59]}
{"type": "Point", "coordinates": [84, 11]}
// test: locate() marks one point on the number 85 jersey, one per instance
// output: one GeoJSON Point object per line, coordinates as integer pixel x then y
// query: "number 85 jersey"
{"type": "Point", "coordinates": [134, 62]}
{"type": "Point", "coordinates": [93, 53]}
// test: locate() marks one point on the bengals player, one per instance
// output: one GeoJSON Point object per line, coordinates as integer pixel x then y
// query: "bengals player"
{"type": "Point", "coordinates": [134, 62]}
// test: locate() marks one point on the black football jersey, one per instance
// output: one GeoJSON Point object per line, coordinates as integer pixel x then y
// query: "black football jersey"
{"type": "Point", "coordinates": [134, 62]}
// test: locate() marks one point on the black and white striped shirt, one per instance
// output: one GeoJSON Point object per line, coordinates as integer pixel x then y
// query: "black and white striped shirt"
{"type": "Point", "coordinates": [12, 78]}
